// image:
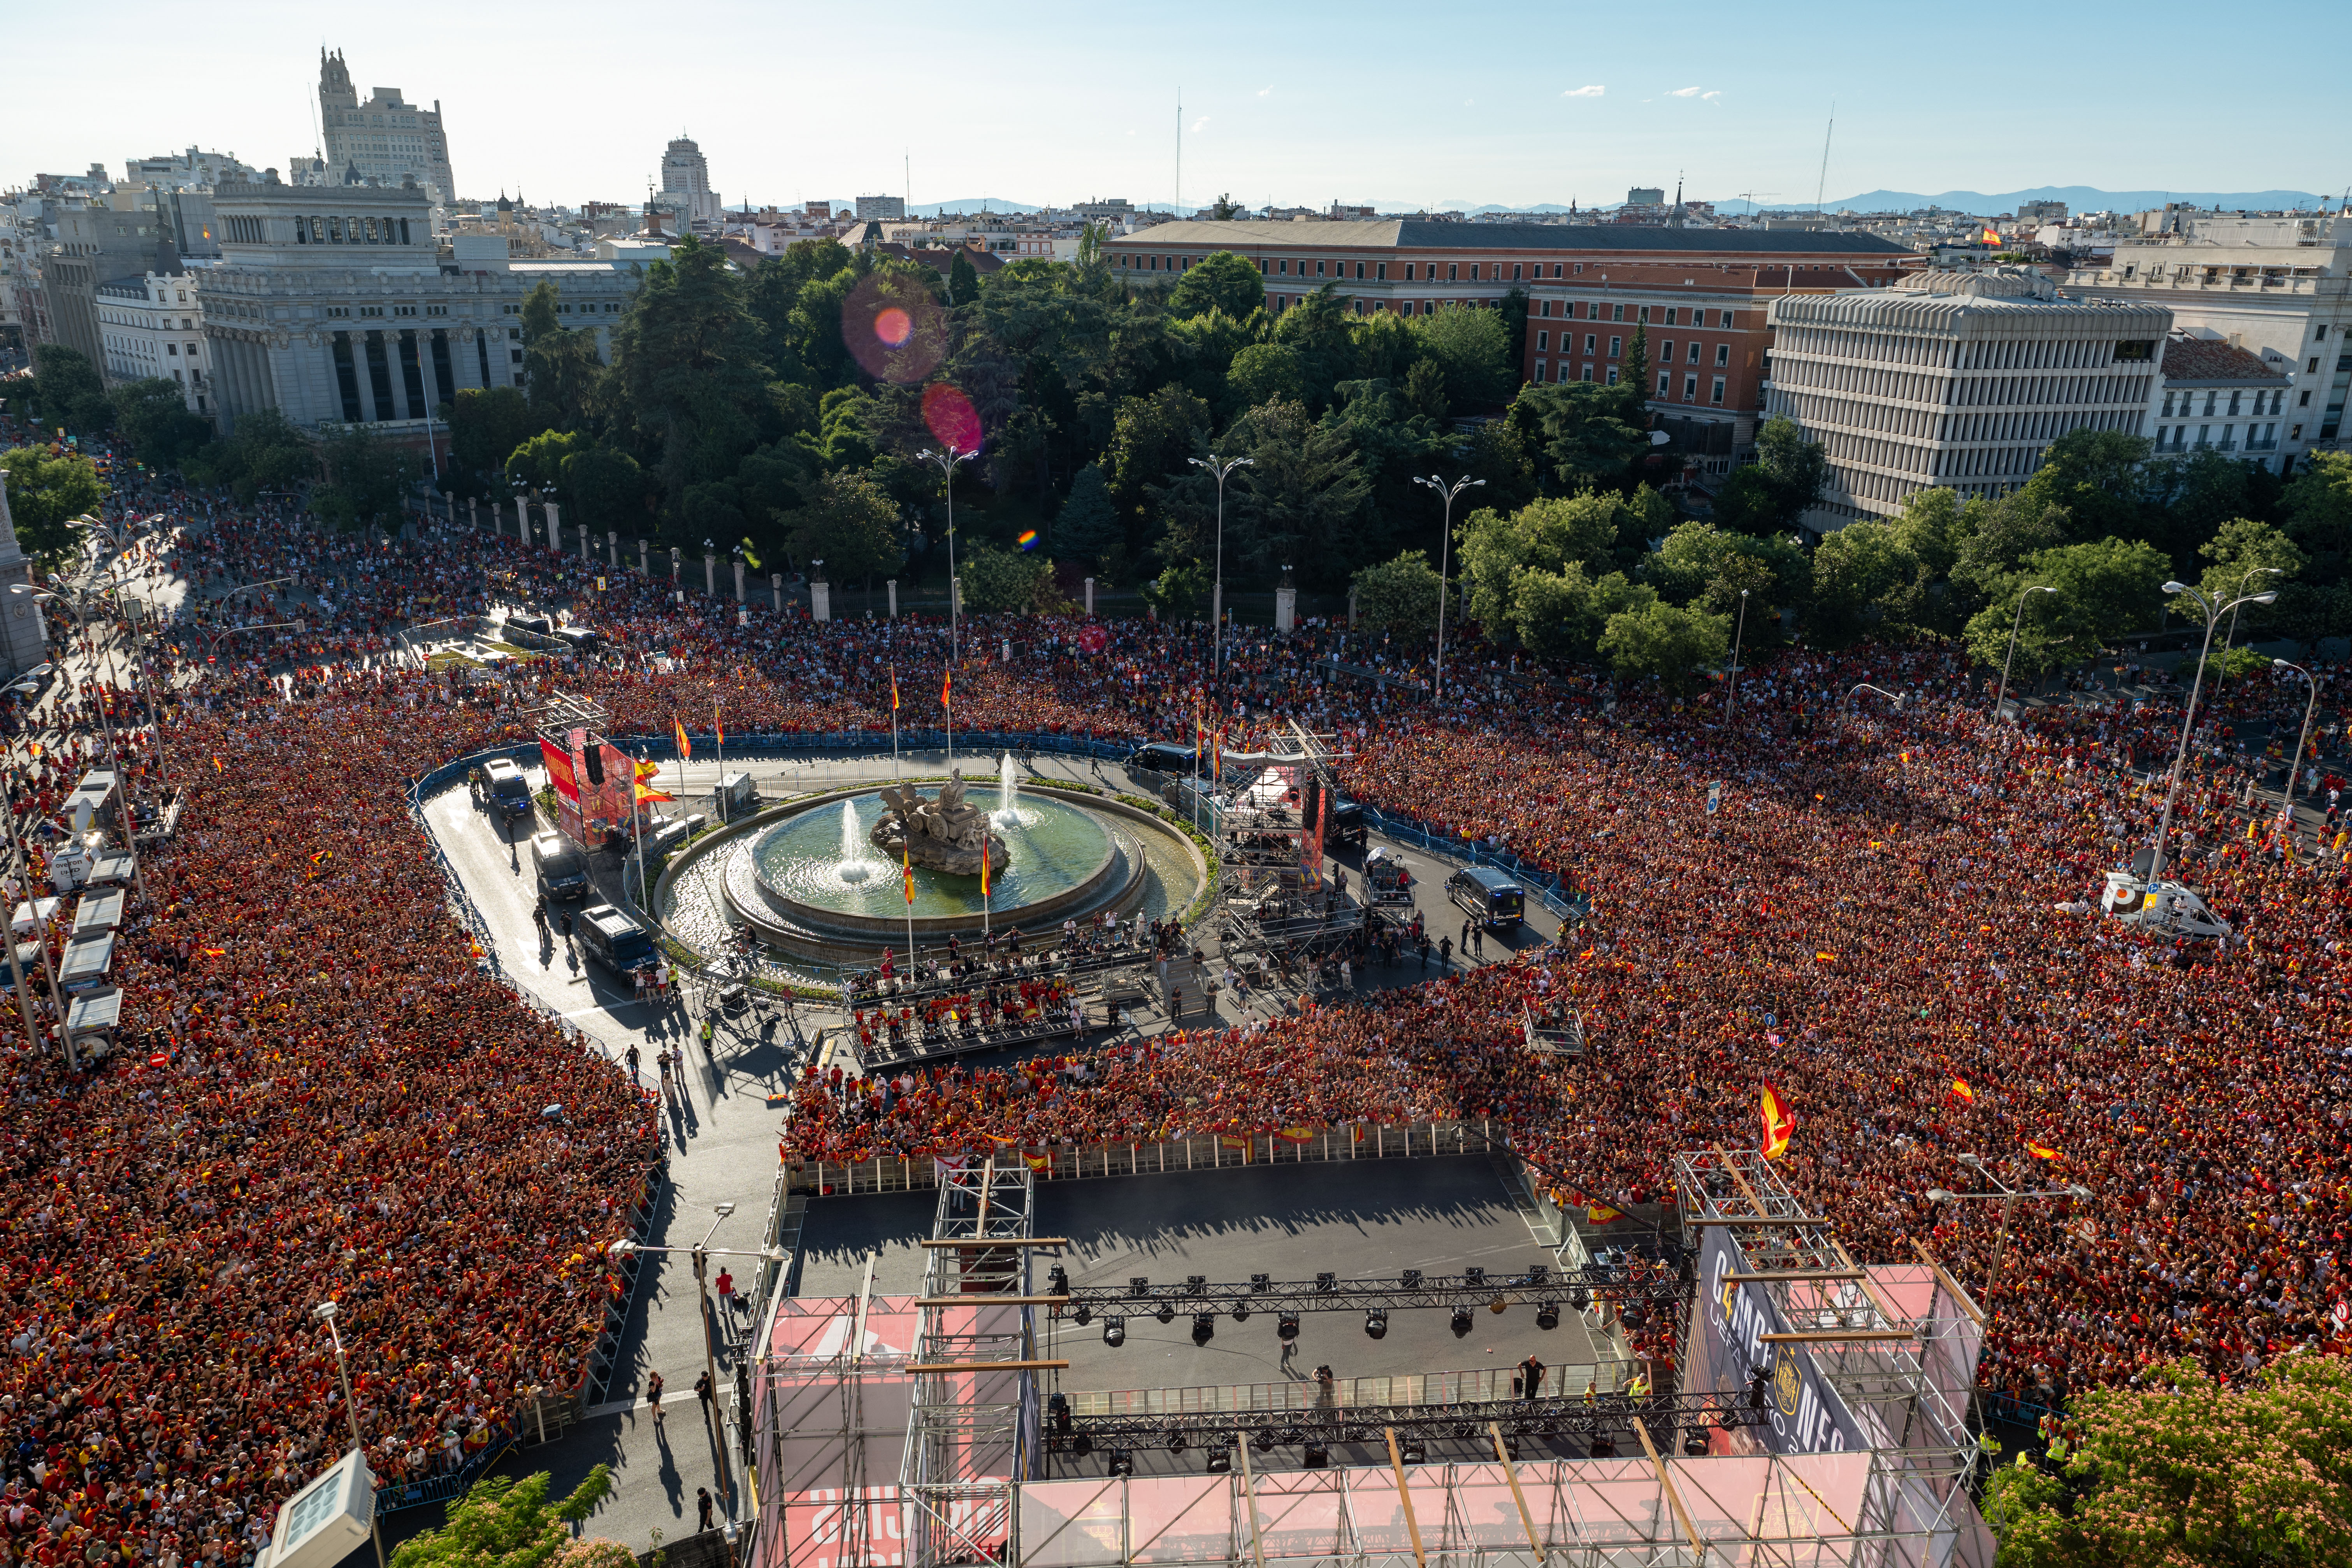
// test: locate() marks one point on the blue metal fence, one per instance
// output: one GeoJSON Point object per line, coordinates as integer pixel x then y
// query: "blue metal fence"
{"type": "Point", "coordinates": [1557, 894]}
{"type": "Point", "coordinates": [405, 1495]}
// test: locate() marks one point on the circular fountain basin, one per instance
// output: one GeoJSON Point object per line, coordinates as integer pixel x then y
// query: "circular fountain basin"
{"type": "Point", "coordinates": [819, 867]}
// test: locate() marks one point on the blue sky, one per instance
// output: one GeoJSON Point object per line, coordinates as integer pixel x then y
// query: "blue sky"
{"type": "Point", "coordinates": [1302, 103]}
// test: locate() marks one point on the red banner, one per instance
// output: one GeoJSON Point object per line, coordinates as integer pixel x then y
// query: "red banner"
{"type": "Point", "coordinates": [559, 772]}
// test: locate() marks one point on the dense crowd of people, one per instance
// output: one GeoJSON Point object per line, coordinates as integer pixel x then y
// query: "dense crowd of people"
{"type": "Point", "coordinates": [319, 1093]}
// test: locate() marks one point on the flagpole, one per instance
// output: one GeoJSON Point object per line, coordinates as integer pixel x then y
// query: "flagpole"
{"type": "Point", "coordinates": [986, 898]}
{"type": "Point", "coordinates": [719, 729]}
{"type": "Point", "coordinates": [946, 700]}
{"type": "Point", "coordinates": [906, 884]}
{"type": "Point", "coordinates": [895, 775]}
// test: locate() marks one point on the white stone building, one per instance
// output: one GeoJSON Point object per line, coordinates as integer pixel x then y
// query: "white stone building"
{"type": "Point", "coordinates": [686, 184]}
{"type": "Point", "coordinates": [384, 139]}
{"type": "Point", "coordinates": [335, 305]}
{"type": "Point", "coordinates": [152, 326]}
{"type": "Point", "coordinates": [2212, 396]}
{"type": "Point", "coordinates": [2278, 287]}
{"type": "Point", "coordinates": [1953, 379]}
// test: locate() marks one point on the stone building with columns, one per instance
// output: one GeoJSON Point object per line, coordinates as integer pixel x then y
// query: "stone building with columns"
{"type": "Point", "coordinates": [336, 305]}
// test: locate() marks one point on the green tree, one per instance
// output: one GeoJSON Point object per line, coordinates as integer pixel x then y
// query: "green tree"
{"type": "Point", "coordinates": [963, 283]}
{"type": "Point", "coordinates": [2237, 553]}
{"type": "Point", "coordinates": [69, 390]}
{"type": "Point", "coordinates": [560, 367]}
{"type": "Point", "coordinates": [367, 478]}
{"type": "Point", "coordinates": [608, 489]}
{"type": "Point", "coordinates": [1087, 528]}
{"type": "Point", "coordinates": [1545, 536]}
{"type": "Point", "coordinates": [1266, 372]}
{"type": "Point", "coordinates": [264, 452]}
{"type": "Point", "coordinates": [2098, 478]}
{"type": "Point", "coordinates": [540, 462]}
{"type": "Point", "coordinates": [1399, 596]}
{"type": "Point", "coordinates": [1667, 641]}
{"type": "Point", "coordinates": [1181, 592]}
{"type": "Point", "coordinates": [853, 527]}
{"type": "Point", "coordinates": [1424, 389]}
{"type": "Point", "coordinates": [154, 416]}
{"type": "Point", "coordinates": [485, 428]}
{"type": "Point", "coordinates": [1322, 332]}
{"type": "Point", "coordinates": [1584, 432]}
{"type": "Point", "coordinates": [502, 1522]}
{"type": "Point", "coordinates": [2106, 590]}
{"type": "Point", "coordinates": [2185, 1470]}
{"type": "Point", "coordinates": [46, 494]}
{"type": "Point", "coordinates": [1862, 576]}
{"type": "Point", "coordinates": [1996, 537]}
{"type": "Point", "coordinates": [1636, 372]}
{"type": "Point", "coordinates": [1150, 441]}
{"type": "Point", "coordinates": [1794, 469]}
{"type": "Point", "coordinates": [1220, 280]}
{"type": "Point", "coordinates": [1703, 566]}
{"type": "Point", "coordinates": [688, 377]}
{"type": "Point", "coordinates": [1515, 330]}
{"type": "Point", "coordinates": [2318, 506]}
{"type": "Point", "coordinates": [1468, 343]}
{"type": "Point", "coordinates": [996, 579]}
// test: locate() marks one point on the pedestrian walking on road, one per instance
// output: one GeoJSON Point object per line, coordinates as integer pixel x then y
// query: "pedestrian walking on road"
{"type": "Point", "coordinates": [702, 1392]}
{"type": "Point", "coordinates": [702, 1507]}
{"type": "Point", "coordinates": [653, 1395]}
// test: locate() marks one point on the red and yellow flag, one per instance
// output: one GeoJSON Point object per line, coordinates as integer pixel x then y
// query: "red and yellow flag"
{"type": "Point", "coordinates": [983, 865]}
{"type": "Point", "coordinates": [908, 870]}
{"type": "Point", "coordinates": [1779, 1122]}
{"type": "Point", "coordinates": [685, 746]}
{"type": "Point", "coordinates": [1963, 1093]}
{"type": "Point", "coordinates": [947, 688]}
{"type": "Point", "coordinates": [893, 688]}
{"type": "Point", "coordinates": [718, 725]}
{"type": "Point", "coordinates": [2040, 1152]}
{"type": "Point", "coordinates": [1601, 1214]}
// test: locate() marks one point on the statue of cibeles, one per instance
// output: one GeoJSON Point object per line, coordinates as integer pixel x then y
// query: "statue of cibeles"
{"type": "Point", "coordinates": [946, 832]}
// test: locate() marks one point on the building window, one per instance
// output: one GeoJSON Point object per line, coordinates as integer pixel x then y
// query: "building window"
{"type": "Point", "coordinates": [1722, 354]}
{"type": "Point", "coordinates": [1642, 315]}
{"type": "Point", "coordinates": [1665, 382]}
{"type": "Point", "coordinates": [172, 348]}
{"type": "Point", "coordinates": [1542, 371]}
{"type": "Point", "coordinates": [1359, 270]}
{"type": "Point", "coordinates": [514, 334]}
{"type": "Point", "coordinates": [1666, 351]}
{"type": "Point", "coordinates": [1616, 312]}
{"type": "Point", "coordinates": [1616, 347]}
{"type": "Point", "coordinates": [1515, 272]}
{"type": "Point", "coordinates": [1381, 270]}
{"type": "Point", "coordinates": [1612, 375]}
{"type": "Point", "coordinates": [1718, 398]}
{"type": "Point", "coordinates": [2138, 350]}
{"type": "Point", "coordinates": [1543, 341]}
{"type": "Point", "coordinates": [516, 355]}
{"type": "Point", "coordinates": [1690, 389]}
{"type": "Point", "coordinates": [1452, 271]}
{"type": "Point", "coordinates": [1588, 341]}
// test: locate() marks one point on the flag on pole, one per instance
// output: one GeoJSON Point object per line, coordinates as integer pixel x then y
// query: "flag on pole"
{"type": "Point", "coordinates": [946, 689]}
{"type": "Point", "coordinates": [893, 688]}
{"type": "Point", "coordinates": [685, 746]}
{"type": "Point", "coordinates": [2040, 1153]}
{"type": "Point", "coordinates": [1963, 1093]}
{"type": "Point", "coordinates": [1598, 1212]}
{"type": "Point", "coordinates": [717, 724]}
{"type": "Point", "coordinates": [1779, 1123]}
{"type": "Point", "coordinates": [907, 869]}
{"type": "Point", "coordinates": [983, 865]}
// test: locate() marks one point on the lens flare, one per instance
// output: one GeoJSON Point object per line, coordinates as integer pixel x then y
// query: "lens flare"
{"type": "Point", "coordinates": [950, 417]}
{"type": "Point", "coordinates": [894, 327]}
{"type": "Point", "coordinates": [1029, 540]}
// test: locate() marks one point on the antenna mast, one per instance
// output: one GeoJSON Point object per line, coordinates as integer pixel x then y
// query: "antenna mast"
{"type": "Point", "coordinates": [1822, 184]}
{"type": "Point", "coordinates": [1175, 206]}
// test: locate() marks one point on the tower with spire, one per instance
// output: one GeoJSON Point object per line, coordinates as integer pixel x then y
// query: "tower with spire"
{"type": "Point", "coordinates": [384, 138]}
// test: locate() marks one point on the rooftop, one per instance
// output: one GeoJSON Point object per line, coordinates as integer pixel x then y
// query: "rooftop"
{"type": "Point", "coordinates": [1424, 234]}
{"type": "Point", "coordinates": [2198, 362]}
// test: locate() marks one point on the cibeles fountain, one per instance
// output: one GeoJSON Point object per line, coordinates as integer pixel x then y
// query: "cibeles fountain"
{"type": "Point", "coordinates": [826, 878]}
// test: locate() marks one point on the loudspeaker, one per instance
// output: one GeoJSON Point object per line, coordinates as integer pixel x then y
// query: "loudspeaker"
{"type": "Point", "coordinates": [595, 756]}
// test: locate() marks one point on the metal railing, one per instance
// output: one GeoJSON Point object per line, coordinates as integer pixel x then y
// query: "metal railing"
{"type": "Point", "coordinates": [1477, 1386]}
{"type": "Point", "coordinates": [1548, 889]}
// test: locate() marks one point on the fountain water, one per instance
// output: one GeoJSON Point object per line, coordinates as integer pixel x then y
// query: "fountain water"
{"type": "Point", "coordinates": [1008, 793]}
{"type": "Point", "coordinates": [853, 867]}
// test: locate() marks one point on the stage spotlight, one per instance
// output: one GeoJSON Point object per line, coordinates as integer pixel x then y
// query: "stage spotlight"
{"type": "Point", "coordinates": [1327, 1280]}
{"type": "Point", "coordinates": [1260, 1284]}
{"type": "Point", "coordinates": [1497, 1305]}
{"type": "Point", "coordinates": [1413, 1450]}
{"type": "Point", "coordinates": [1123, 1463]}
{"type": "Point", "coordinates": [1286, 1326]}
{"type": "Point", "coordinates": [1412, 1279]}
{"type": "Point", "coordinates": [1241, 1311]}
{"type": "Point", "coordinates": [1220, 1461]}
{"type": "Point", "coordinates": [1138, 1285]}
{"type": "Point", "coordinates": [1196, 1284]}
{"type": "Point", "coordinates": [1082, 1314]}
{"type": "Point", "coordinates": [1474, 1276]}
{"type": "Point", "coordinates": [1604, 1447]}
{"type": "Point", "coordinates": [1537, 1273]}
{"type": "Point", "coordinates": [1636, 1315]}
{"type": "Point", "coordinates": [1318, 1456]}
{"type": "Point", "coordinates": [1580, 1298]}
{"type": "Point", "coordinates": [1057, 1280]}
{"type": "Point", "coordinates": [1376, 1323]}
{"type": "Point", "coordinates": [1263, 1440]}
{"type": "Point", "coordinates": [1166, 1314]}
{"type": "Point", "coordinates": [1204, 1327]}
{"type": "Point", "coordinates": [1461, 1321]}
{"type": "Point", "coordinates": [1695, 1442]}
{"type": "Point", "coordinates": [1114, 1331]}
{"type": "Point", "coordinates": [1176, 1439]}
{"type": "Point", "coordinates": [1547, 1314]}
{"type": "Point", "coordinates": [1511, 1444]}
{"type": "Point", "coordinates": [1059, 1408]}
{"type": "Point", "coordinates": [1082, 1445]}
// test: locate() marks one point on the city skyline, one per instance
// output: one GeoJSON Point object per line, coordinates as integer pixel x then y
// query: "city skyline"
{"type": "Point", "coordinates": [1275, 117]}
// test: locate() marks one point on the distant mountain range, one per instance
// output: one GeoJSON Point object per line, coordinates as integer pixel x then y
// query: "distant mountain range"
{"type": "Point", "coordinates": [2078, 199]}
{"type": "Point", "coordinates": [971, 205]}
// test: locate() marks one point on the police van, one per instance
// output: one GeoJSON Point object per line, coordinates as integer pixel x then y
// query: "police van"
{"type": "Point", "coordinates": [1487, 896]}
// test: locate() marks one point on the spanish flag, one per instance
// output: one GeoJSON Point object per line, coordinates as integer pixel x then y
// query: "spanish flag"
{"type": "Point", "coordinates": [646, 768]}
{"type": "Point", "coordinates": [983, 865]}
{"type": "Point", "coordinates": [645, 794]}
{"type": "Point", "coordinates": [946, 689]}
{"type": "Point", "coordinates": [718, 725]}
{"type": "Point", "coordinates": [893, 688]}
{"type": "Point", "coordinates": [685, 746]}
{"type": "Point", "coordinates": [1963, 1093]}
{"type": "Point", "coordinates": [1599, 1213]}
{"type": "Point", "coordinates": [217, 766]}
{"type": "Point", "coordinates": [908, 869]}
{"type": "Point", "coordinates": [2040, 1152]}
{"type": "Point", "coordinates": [1779, 1122]}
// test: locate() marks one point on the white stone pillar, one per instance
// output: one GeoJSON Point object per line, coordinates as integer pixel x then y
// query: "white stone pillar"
{"type": "Point", "coordinates": [613, 541]}
{"type": "Point", "coordinates": [645, 568]}
{"type": "Point", "coordinates": [587, 546]}
{"type": "Point", "coordinates": [776, 587]}
{"type": "Point", "coordinates": [892, 584]}
{"type": "Point", "coordinates": [738, 582]}
{"type": "Point", "coordinates": [522, 520]}
{"type": "Point", "coordinates": [1352, 606]}
{"type": "Point", "coordinates": [554, 527]}
{"type": "Point", "coordinates": [820, 600]}
{"type": "Point", "coordinates": [709, 575]}
{"type": "Point", "coordinates": [1090, 598]}
{"type": "Point", "coordinates": [1285, 608]}
{"type": "Point", "coordinates": [473, 514]}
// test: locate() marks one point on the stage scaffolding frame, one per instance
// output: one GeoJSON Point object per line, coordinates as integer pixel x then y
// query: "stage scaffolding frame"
{"type": "Point", "coordinates": [1271, 898]}
{"type": "Point", "coordinates": [973, 1429]}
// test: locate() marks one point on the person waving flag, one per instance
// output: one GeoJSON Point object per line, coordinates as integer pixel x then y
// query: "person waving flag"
{"type": "Point", "coordinates": [1779, 1123]}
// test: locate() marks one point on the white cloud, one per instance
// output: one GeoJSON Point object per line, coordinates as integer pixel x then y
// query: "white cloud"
{"type": "Point", "coordinates": [1710, 96]}
{"type": "Point", "coordinates": [1266, 92]}
{"type": "Point", "coordinates": [1199, 124]}
{"type": "Point", "coordinates": [1584, 92]}
{"type": "Point", "coordinates": [1684, 92]}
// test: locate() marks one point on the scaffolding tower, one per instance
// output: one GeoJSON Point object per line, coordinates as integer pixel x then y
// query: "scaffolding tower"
{"type": "Point", "coordinates": [1268, 824]}
{"type": "Point", "coordinates": [973, 1429]}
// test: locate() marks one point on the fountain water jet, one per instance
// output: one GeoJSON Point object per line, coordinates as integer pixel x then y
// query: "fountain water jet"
{"type": "Point", "coordinates": [1008, 793]}
{"type": "Point", "coordinates": [853, 867]}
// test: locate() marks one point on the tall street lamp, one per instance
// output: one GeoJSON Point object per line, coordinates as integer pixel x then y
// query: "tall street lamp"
{"type": "Point", "coordinates": [1737, 637]}
{"type": "Point", "coordinates": [1444, 564]}
{"type": "Point", "coordinates": [2231, 634]}
{"type": "Point", "coordinates": [105, 723]}
{"type": "Point", "coordinates": [2015, 621]}
{"type": "Point", "coordinates": [2008, 1197]}
{"type": "Point", "coordinates": [2295, 763]}
{"type": "Point", "coordinates": [946, 462]}
{"type": "Point", "coordinates": [2213, 614]}
{"type": "Point", "coordinates": [1220, 466]}
{"type": "Point", "coordinates": [325, 1312]}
